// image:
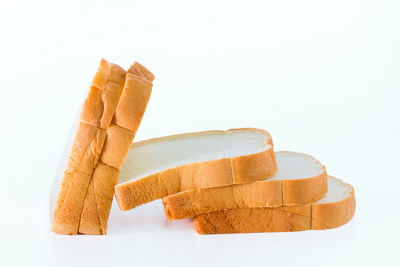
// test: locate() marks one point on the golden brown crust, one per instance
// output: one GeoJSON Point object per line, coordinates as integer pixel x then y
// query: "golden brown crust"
{"type": "Point", "coordinates": [205, 174]}
{"type": "Point", "coordinates": [84, 156]}
{"type": "Point", "coordinates": [215, 173]}
{"type": "Point", "coordinates": [89, 222]}
{"type": "Point", "coordinates": [280, 219]}
{"type": "Point", "coordinates": [105, 91]}
{"type": "Point", "coordinates": [84, 136]}
{"type": "Point", "coordinates": [105, 178]}
{"type": "Point", "coordinates": [108, 72]}
{"type": "Point", "coordinates": [332, 215]}
{"type": "Point", "coordinates": [96, 115]}
{"type": "Point", "coordinates": [250, 168]}
{"type": "Point", "coordinates": [147, 74]}
{"type": "Point", "coordinates": [189, 203]}
{"type": "Point", "coordinates": [147, 189]}
{"type": "Point", "coordinates": [253, 221]}
{"type": "Point", "coordinates": [304, 191]}
{"type": "Point", "coordinates": [266, 193]}
{"type": "Point", "coordinates": [66, 218]}
{"type": "Point", "coordinates": [116, 146]}
{"type": "Point", "coordinates": [98, 200]}
{"type": "Point", "coordinates": [132, 104]}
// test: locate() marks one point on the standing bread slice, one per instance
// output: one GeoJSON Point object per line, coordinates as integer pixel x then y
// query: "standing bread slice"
{"type": "Point", "coordinates": [163, 166]}
{"type": "Point", "coordinates": [335, 209]}
{"type": "Point", "coordinates": [119, 137]}
{"type": "Point", "coordinates": [300, 179]}
{"type": "Point", "coordinates": [104, 94]}
{"type": "Point", "coordinates": [96, 115]}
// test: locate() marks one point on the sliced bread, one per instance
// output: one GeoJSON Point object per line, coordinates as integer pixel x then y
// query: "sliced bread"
{"type": "Point", "coordinates": [96, 115]}
{"type": "Point", "coordinates": [160, 167]}
{"type": "Point", "coordinates": [300, 179]}
{"type": "Point", "coordinates": [119, 137]}
{"type": "Point", "coordinates": [334, 210]}
{"type": "Point", "coordinates": [104, 94]}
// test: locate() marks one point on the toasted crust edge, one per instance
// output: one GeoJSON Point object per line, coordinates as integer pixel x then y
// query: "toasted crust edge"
{"type": "Point", "coordinates": [267, 193]}
{"type": "Point", "coordinates": [334, 214]}
{"type": "Point", "coordinates": [72, 192]}
{"type": "Point", "coordinates": [315, 216]}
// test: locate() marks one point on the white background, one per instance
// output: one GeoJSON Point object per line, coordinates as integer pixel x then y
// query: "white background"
{"type": "Point", "coordinates": [322, 76]}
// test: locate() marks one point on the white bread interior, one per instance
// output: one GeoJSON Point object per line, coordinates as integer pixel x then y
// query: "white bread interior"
{"type": "Point", "coordinates": [337, 191]}
{"type": "Point", "coordinates": [146, 158]}
{"type": "Point", "coordinates": [293, 165]}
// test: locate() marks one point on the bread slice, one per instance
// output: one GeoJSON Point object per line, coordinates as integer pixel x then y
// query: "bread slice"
{"type": "Point", "coordinates": [105, 91]}
{"type": "Point", "coordinates": [119, 137]}
{"type": "Point", "coordinates": [334, 210]}
{"type": "Point", "coordinates": [95, 117]}
{"type": "Point", "coordinates": [300, 179]}
{"type": "Point", "coordinates": [164, 166]}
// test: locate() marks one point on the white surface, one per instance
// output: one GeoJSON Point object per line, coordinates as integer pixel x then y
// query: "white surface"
{"type": "Point", "coordinates": [151, 157]}
{"type": "Point", "coordinates": [321, 76]}
{"type": "Point", "coordinates": [293, 165]}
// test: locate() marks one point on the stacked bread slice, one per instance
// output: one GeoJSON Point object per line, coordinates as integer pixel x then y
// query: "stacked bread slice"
{"type": "Point", "coordinates": [108, 123]}
{"type": "Point", "coordinates": [334, 210]}
{"type": "Point", "coordinates": [233, 182]}
{"type": "Point", "coordinates": [229, 181]}
{"type": "Point", "coordinates": [300, 179]}
{"type": "Point", "coordinates": [160, 167]}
